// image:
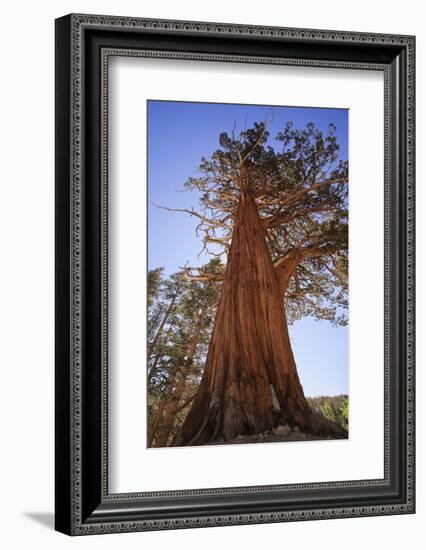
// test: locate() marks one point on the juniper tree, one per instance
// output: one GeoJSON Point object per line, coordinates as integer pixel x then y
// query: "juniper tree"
{"type": "Point", "coordinates": [279, 215]}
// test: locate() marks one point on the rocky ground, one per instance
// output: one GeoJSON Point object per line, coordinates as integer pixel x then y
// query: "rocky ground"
{"type": "Point", "coordinates": [279, 434]}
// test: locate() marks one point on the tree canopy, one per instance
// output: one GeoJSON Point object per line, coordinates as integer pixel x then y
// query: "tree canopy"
{"type": "Point", "coordinates": [300, 187]}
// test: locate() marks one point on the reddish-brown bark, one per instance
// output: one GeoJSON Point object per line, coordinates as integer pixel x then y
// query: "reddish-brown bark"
{"type": "Point", "coordinates": [250, 382]}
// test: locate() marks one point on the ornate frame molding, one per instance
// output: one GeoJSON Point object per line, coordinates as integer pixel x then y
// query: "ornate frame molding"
{"type": "Point", "coordinates": [72, 45]}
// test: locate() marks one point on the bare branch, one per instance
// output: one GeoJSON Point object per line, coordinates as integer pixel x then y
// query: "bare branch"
{"type": "Point", "coordinates": [202, 275]}
{"type": "Point", "coordinates": [293, 198]}
{"type": "Point", "coordinates": [192, 212]}
{"type": "Point", "coordinates": [280, 219]}
{"type": "Point", "coordinates": [221, 242]}
{"type": "Point", "coordinates": [318, 251]}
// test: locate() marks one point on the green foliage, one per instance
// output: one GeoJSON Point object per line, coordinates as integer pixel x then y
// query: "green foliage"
{"type": "Point", "coordinates": [154, 284]}
{"type": "Point", "coordinates": [301, 180]}
{"type": "Point", "coordinates": [180, 318]}
{"type": "Point", "coordinates": [334, 408]}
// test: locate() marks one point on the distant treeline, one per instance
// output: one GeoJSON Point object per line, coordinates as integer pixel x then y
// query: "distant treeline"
{"type": "Point", "coordinates": [334, 408]}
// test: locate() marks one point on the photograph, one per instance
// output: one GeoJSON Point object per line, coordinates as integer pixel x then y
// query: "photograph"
{"type": "Point", "coordinates": [234, 274]}
{"type": "Point", "coordinates": [248, 312]}
{"type": "Point", "coordinates": [210, 294]}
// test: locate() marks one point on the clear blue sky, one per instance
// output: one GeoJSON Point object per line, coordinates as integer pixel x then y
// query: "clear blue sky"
{"type": "Point", "coordinates": [179, 135]}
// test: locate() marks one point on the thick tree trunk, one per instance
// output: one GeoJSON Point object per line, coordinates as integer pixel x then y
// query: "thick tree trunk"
{"type": "Point", "coordinates": [250, 383]}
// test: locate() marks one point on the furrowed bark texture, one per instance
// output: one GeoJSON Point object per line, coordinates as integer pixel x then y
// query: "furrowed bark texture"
{"type": "Point", "coordinates": [250, 382]}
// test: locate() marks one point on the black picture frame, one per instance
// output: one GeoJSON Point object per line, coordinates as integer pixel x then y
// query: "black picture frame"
{"type": "Point", "coordinates": [83, 504]}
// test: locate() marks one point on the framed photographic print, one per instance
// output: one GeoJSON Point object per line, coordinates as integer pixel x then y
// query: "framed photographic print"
{"type": "Point", "coordinates": [234, 274]}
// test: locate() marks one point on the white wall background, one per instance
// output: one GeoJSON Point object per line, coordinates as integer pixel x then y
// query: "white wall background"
{"type": "Point", "coordinates": [26, 289]}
